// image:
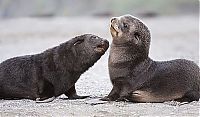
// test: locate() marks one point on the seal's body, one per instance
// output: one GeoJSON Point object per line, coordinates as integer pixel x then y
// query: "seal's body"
{"type": "Point", "coordinates": [51, 73]}
{"type": "Point", "coordinates": [136, 77]}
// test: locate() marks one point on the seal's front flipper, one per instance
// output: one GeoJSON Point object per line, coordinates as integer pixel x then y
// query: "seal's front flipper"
{"type": "Point", "coordinates": [42, 100]}
{"type": "Point", "coordinates": [113, 95]}
{"type": "Point", "coordinates": [106, 98]}
{"type": "Point", "coordinates": [124, 99]}
{"type": "Point", "coordinates": [77, 97]}
{"type": "Point", "coordinates": [71, 94]}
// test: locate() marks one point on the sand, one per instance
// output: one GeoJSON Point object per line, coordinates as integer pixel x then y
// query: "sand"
{"type": "Point", "coordinates": [172, 37]}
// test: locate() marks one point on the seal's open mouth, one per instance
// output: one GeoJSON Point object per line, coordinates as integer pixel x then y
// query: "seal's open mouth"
{"type": "Point", "coordinates": [113, 31]}
{"type": "Point", "coordinates": [101, 48]}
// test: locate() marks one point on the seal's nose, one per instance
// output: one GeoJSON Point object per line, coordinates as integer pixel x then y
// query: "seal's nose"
{"type": "Point", "coordinates": [113, 19]}
{"type": "Point", "coordinates": [102, 47]}
{"type": "Point", "coordinates": [105, 42]}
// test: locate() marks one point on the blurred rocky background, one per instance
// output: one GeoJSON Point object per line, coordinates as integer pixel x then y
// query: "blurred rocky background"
{"type": "Point", "coordinates": [50, 8]}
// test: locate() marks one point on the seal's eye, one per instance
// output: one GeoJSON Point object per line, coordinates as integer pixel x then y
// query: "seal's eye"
{"type": "Point", "coordinates": [78, 42]}
{"type": "Point", "coordinates": [94, 37]}
{"type": "Point", "coordinates": [125, 25]}
{"type": "Point", "coordinates": [137, 34]}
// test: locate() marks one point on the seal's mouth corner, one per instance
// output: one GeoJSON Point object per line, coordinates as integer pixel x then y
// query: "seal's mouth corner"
{"type": "Point", "coordinates": [102, 47]}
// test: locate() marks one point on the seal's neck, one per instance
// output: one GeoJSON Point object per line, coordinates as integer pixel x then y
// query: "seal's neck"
{"type": "Point", "coordinates": [129, 57]}
{"type": "Point", "coordinates": [127, 54]}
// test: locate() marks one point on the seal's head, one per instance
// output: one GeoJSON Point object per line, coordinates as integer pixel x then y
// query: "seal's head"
{"type": "Point", "coordinates": [83, 51]}
{"type": "Point", "coordinates": [128, 30]}
{"type": "Point", "coordinates": [90, 45]}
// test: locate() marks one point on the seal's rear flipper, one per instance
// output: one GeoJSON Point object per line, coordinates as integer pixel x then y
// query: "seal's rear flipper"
{"type": "Point", "coordinates": [189, 97]}
{"type": "Point", "coordinates": [175, 103]}
{"type": "Point", "coordinates": [71, 94]}
{"type": "Point", "coordinates": [38, 100]}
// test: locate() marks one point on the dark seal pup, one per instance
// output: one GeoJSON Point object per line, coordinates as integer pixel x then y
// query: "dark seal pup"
{"type": "Point", "coordinates": [137, 78]}
{"type": "Point", "coordinates": [44, 76]}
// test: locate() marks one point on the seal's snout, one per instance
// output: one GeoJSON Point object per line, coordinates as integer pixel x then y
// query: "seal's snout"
{"type": "Point", "coordinates": [114, 22]}
{"type": "Point", "coordinates": [114, 27]}
{"type": "Point", "coordinates": [102, 47]}
{"type": "Point", "coordinates": [105, 43]}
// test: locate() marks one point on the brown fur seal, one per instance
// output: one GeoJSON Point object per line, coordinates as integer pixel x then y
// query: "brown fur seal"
{"type": "Point", "coordinates": [137, 78]}
{"type": "Point", "coordinates": [44, 76]}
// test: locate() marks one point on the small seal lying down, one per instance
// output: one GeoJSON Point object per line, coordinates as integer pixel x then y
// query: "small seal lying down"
{"type": "Point", "coordinates": [137, 78]}
{"type": "Point", "coordinates": [44, 76]}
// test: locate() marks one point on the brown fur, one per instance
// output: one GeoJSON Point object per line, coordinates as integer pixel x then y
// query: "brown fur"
{"type": "Point", "coordinates": [138, 78]}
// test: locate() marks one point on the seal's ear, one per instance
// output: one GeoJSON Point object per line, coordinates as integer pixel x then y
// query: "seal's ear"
{"type": "Point", "coordinates": [76, 41]}
{"type": "Point", "coordinates": [136, 38]}
{"type": "Point", "coordinates": [67, 46]}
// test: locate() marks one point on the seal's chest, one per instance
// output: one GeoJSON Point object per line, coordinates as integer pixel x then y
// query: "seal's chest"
{"type": "Point", "coordinates": [119, 62]}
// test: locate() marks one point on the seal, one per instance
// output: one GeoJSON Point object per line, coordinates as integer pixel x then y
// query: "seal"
{"type": "Point", "coordinates": [136, 77]}
{"type": "Point", "coordinates": [47, 75]}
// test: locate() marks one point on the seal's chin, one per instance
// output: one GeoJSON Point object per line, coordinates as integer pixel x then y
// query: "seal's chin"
{"type": "Point", "coordinates": [102, 47]}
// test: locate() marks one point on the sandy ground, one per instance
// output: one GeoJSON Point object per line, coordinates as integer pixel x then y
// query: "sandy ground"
{"type": "Point", "coordinates": [172, 37]}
